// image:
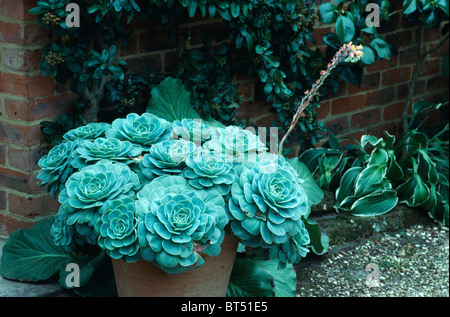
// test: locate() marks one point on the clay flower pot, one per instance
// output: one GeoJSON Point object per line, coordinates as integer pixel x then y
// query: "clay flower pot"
{"type": "Point", "coordinates": [143, 279]}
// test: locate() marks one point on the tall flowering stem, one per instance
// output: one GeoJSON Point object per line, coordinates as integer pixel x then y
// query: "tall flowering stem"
{"type": "Point", "coordinates": [347, 53]}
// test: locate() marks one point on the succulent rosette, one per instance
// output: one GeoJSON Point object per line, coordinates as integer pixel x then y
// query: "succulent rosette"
{"type": "Point", "coordinates": [92, 186]}
{"type": "Point", "coordinates": [293, 250]}
{"type": "Point", "coordinates": [117, 229]}
{"type": "Point", "coordinates": [167, 158]}
{"type": "Point", "coordinates": [266, 204]}
{"type": "Point", "coordinates": [237, 144]}
{"type": "Point", "coordinates": [191, 130]}
{"type": "Point", "coordinates": [178, 223]}
{"type": "Point", "coordinates": [60, 231]}
{"type": "Point", "coordinates": [88, 131]}
{"type": "Point", "coordinates": [90, 152]}
{"type": "Point", "coordinates": [56, 166]}
{"type": "Point", "coordinates": [210, 169]}
{"type": "Point", "coordinates": [143, 130]}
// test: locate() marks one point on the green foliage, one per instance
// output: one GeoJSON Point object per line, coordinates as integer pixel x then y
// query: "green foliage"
{"type": "Point", "coordinates": [429, 13]}
{"type": "Point", "coordinates": [268, 40]}
{"type": "Point", "coordinates": [137, 195]}
{"type": "Point", "coordinates": [171, 101]}
{"type": "Point", "coordinates": [350, 22]}
{"type": "Point", "coordinates": [256, 278]}
{"type": "Point", "coordinates": [371, 176]}
{"type": "Point", "coordinates": [32, 256]}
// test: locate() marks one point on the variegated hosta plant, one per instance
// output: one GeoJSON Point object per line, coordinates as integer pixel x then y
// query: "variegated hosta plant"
{"type": "Point", "coordinates": [167, 191]}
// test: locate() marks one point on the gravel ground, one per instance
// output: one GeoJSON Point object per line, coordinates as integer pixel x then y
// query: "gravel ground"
{"type": "Point", "coordinates": [413, 262]}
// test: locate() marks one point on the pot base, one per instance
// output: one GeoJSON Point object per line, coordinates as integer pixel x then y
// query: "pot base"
{"type": "Point", "coordinates": [143, 279]}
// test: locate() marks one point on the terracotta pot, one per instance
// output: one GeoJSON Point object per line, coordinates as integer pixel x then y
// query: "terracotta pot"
{"type": "Point", "coordinates": [143, 279]}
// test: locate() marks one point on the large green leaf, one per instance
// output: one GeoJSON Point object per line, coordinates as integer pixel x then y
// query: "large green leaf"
{"type": "Point", "coordinates": [171, 101]}
{"type": "Point", "coordinates": [249, 280]}
{"type": "Point", "coordinates": [394, 171]}
{"type": "Point", "coordinates": [375, 204]}
{"type": "Point", "coordinates": [345, 29]}
{"type": "Point", "coordinates": [31, 254]}
{"type": "Point", "coordinates": [284, 281]}
{"type": "Point", "coordinates": [381, 47]}
{"type": "Point", "coordinates": [320, 242]}
{"type": "Point", "coordinates": [327, 12]}
{"type": "Point", "coordinates": [258, 278]}
{"type": "Point", "coordinates": [368, 56]}
{"type": "Point", "coordinates": [370, 177]}
{"type": "Point", "coordinates": [347, 183]}
{"type": "Point", "coordinates": [312, 190]}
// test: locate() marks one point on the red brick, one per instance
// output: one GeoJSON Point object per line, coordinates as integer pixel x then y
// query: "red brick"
{"type": "Point", "coordinates": [21, 134]}
{"type": "Point", "coordinates": [155, 40]}
{"type": "Point", "coordinates": [32, 206]}
{"type": "Point", "coordinates": [21, 60]}
{"type": "Point", "coordinates": [24, 86]}
{"type": "Point", "coordinates": [394, 111]}
{"type": "Point", "coordinates": [337, 126]}
{"type": "Point", "coordinates": [323, 110]}
{"type": "Point", "coordinates": [152, 62]}
{"type": "Point", "coordinates": [20, 33]}
{"type": "Point", "coordinates": [10, 32]}
{"type": "Point", "coordinates": [170, 60]}
{"type": "Point", "coordinates": [9, 223]}
{"type": "Point", "coordinates": [431, 34]}
{"type": "Point", "coordinates": [14, 180]}
{"type": "Point", "coordinates": [382, 64]}
{"type": "Point", "coordinates": [2, 200]}
{"type": "Point", "coordinates": [246, 89]}
{"type": "Point", "coordinates": [215, 31]}
{"type": "Point", "coordinates": [319, 33]}
{"type": "Point", "coordinates": [396, 76]}
{"type": "Point", "coordinates": [379, 130]}
{"type": "Point", "coordinates": [430, 67]}
{"type": "Point", "coordinates": [400, 39]}
{"type": "Point", "coordinates": [2, 154]}
{"type": "Point", "coordinates": [18, 9]}
{"type": "Point", "coordinates": [37, 109]}
{"type": "Point", "coordinates": [370, 81]}
{"type": "Point", "coordinates": [131, 47]}
{"type": "Point", "coordinates": [252, 109]}
{"type": "Point", "coordinates": [381, 96]}
{"type": "Point", "coordinates": [25, 159]}
{"type": "Point", "coordinates": [408, 56]}
{"type": "Point", "coordinates": [364, 119]}
{"type": "Point", "coordinates": [266, 121]}
{"type": "Point", "coordinates": [348, 104]}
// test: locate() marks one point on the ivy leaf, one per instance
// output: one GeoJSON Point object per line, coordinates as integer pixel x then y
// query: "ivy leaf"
{"type": "Point", "coordinates": [235, 9]}
{"type": "Point", "coordinates": [327, 12]}
{"type": "Point", "coordinates": [171, 101]}
{"type": "Point", "coordinates": [409, 6]}
{"type": "Point", "coordinates": [381, 47]}
{"type": "Point", "coordinates": [368, 57]}
{"type": "Point", "coordinates": [31, 255]}
{"type": "Point", "coordinates": [345, 29]}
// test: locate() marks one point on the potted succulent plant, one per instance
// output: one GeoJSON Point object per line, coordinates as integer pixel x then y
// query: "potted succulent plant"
{"type": "Point", "coordinates": [171, 200]}
{"type": "Point", "coordinates": [168, 196]}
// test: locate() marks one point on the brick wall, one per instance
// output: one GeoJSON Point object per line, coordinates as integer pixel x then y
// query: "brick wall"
{"type": "Point", "coordinates": [27, 97]}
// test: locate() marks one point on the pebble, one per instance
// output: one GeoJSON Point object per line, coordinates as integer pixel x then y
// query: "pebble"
{"type": "Point", "coordinates": [411, 263]}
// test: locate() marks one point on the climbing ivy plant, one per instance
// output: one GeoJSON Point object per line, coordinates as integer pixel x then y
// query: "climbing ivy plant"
{"type": "Point", "coordinates": [268, 40]}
